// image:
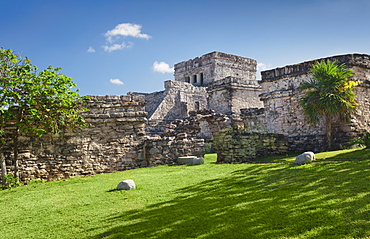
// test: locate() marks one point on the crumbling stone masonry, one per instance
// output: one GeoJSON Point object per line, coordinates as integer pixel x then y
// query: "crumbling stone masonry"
{"type": "Point", "coordinates": [283, 114]}
{"type": "Point", "coordinates": [112, 142]}
{"type": "Point", "coordinates": [238, 144]}
{"type": "Point", "coordinates": [115, 140]}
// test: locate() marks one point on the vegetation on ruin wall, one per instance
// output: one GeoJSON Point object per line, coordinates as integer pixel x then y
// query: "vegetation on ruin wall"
{"type": "Point", "coordinates": [272, 199]}
{"type": "Point", "coordinates": [33, 101]}
{"type": "Point", "coordinates": [329, 94]}
{"type": "Point", "coordinates": [243, 143]}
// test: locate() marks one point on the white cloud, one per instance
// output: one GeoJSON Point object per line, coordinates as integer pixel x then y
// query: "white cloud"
{"type": "Point", "coordinates": [261, 67]}
{"type": "Point", "coordinates": [91, 50]}
{"type": "Point", "coordinates": [162, 67]}
{"type": "Point", "coordinates": [122, 30]}
{"type": "Point", "coordinates": [116, 46]}
{"type": "Point", "coordinates": [116, 81]}
{"type": "Point", "coordinates": [125, 30]}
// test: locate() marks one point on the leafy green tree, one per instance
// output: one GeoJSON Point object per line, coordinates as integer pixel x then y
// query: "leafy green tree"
{"type": "Point", "coordinates": [328, 94]}
{"type": "Point", "coordinates": [35, 102]}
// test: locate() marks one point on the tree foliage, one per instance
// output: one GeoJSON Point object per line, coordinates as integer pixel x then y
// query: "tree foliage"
{"type": "Point", "coordinates": [35, 101]}
{"type": "Point", "coordinates": [329, 93]}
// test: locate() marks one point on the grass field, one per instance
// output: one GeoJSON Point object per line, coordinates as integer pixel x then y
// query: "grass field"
{"type": "Point", "coordinates": [271, 198]}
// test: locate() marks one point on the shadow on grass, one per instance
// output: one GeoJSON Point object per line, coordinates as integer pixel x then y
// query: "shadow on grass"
{"type": "Point", "coordinates": [326, 200]}
{"type": "Point", "coordinates": [360, 154]}
{"type": "Point", "coordinates": [276, 158]}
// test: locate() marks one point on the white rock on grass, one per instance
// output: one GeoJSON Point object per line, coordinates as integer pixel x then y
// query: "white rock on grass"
{"type": "Point", "coordinates": [126, 185]}
{"type": "Point", "coordinates": [190, 160]}
{"type": "Point", "coordinates": [306, 157]}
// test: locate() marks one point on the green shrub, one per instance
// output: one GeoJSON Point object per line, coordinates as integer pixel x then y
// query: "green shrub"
{"type": "Point", "coordinates": [364, 141]}
{"type": "Point", "coordinates": [11, 182]}
{"type": "Point", "coordinates": [208, 148]}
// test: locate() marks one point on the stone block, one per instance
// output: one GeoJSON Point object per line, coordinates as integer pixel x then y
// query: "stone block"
{"type": "Point", "coordinates": [306, 157]}
{"type": "Point", "coordinates": [128, 184]}
{"type": "Point", "coordinates": [192, 160]}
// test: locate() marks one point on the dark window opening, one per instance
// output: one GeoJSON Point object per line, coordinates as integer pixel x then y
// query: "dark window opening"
{"type": "Point", "coordinates": [201, 78]}
{"type": "Point", "coordinates": [195, 79]}
{"type": "Point", "coordinates": [187, 79]}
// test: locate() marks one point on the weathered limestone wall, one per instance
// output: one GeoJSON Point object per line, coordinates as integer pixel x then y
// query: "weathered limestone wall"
{"type": "Point", "coordinates": [215, 66]}
{"type": "Point", "coordinates": [114, 141]}
{"type": "Point", "coordinates": [253, 117]}
{"type": "Point", "coordinates": [361, 118]}
{"type": "Point", "coordinates": [200, 124]}
{"type": "Point", "coordinates": [283, 114]}
{"type": "Point", "coordinates": [282, 110]}
{"type": "Point", "coordinates": [351, 60]}
{"type": "Point", "coordinates": [231, 94]}
{"type": "Point", "coordinates": [237, 144]}
{"type": "Point", "coordinates": [166, 150]}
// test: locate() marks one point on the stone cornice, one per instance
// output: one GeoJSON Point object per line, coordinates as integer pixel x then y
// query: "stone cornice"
{"type": "Point", "coordinates": [361, 60]}
{"type": "Point", "coordinates": [207, 60]}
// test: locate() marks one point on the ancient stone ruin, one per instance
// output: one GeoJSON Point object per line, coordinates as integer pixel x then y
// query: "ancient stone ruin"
{"type": "Point", "coordinates": [209, 94]}
{"type": "Point", "coordinates": [283, 115]}
{"type": "Point", "coordinates": [115, 140]}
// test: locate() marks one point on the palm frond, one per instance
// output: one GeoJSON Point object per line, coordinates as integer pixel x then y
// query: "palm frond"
{"type": "Point", "coordinates": [328, 92]}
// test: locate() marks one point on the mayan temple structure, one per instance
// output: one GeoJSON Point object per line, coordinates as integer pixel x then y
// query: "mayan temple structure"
{"type": "Point", "coordinates": [216, 81]}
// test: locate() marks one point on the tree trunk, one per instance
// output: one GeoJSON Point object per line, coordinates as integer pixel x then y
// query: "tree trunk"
{"type": "Point", "coordinates": [15, 152]}
{"type": "Point", "coordinates": [3, 169]}
{"type": "Point", "coordinates": [328, 130]}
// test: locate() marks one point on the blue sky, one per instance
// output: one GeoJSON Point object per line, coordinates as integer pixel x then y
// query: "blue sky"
{"type": "Point", "coordinates": [117, 46]}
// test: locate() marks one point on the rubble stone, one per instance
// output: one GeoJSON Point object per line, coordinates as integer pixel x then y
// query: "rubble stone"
{"type": "Point", "coordinates": [306, 157]}
{"type": "Point", "coordinates": [128, 184]}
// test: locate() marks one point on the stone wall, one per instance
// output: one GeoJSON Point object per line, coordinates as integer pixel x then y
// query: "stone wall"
{"type": "Point", "coordinates": [115, 140]}
{"type": "Point", "coordinates": [112, 142]}
{"type": "Point", "coordinates": [239, 144]}
{"type": "Point", "coordinates": [359, 60]}
{"type": "Point", "coordinates": [361, 120]}
{"type": "Point", "coordinates": [164, 150]}
{"type": "Point", "coordinates": [253, 116]}
{"type": "Point", "coordinates": [284, 115]}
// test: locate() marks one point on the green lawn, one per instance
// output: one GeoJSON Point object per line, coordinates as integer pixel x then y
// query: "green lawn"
{"type": "Point", "coordinates": [271, 198]}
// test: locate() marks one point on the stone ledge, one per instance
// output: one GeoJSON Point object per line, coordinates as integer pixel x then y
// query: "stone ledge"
{"type": "Point", "coordinates": [350, 60]}
{"type": "Point", "coordinates": [205, 60]}
{"type": "Point", "coordinates": [278, 94]}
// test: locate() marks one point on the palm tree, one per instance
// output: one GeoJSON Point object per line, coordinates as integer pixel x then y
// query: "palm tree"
{"type": "Point", "coordinates": [329, 93]}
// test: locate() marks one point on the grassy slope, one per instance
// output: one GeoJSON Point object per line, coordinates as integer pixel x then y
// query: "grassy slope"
{"type": "Point", "coordinates": [327, 199]}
